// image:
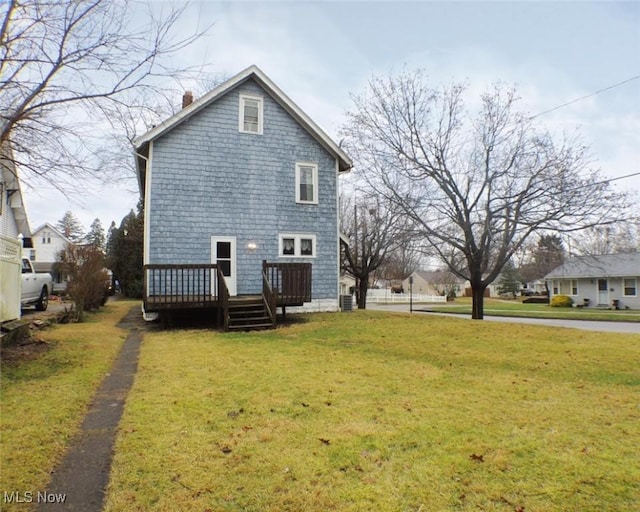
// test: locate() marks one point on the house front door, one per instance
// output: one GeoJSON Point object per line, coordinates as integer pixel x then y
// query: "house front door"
{"type": "Point", "coordinates": [603, 291]}
{"type": "Point", "coordinates": [223, 253]}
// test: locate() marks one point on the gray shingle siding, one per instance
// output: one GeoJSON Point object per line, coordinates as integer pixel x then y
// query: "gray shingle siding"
{"type": "Point", "coordinates": [208, 179]}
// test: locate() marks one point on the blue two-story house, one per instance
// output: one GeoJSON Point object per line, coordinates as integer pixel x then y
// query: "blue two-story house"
{"type": "Point", "coordinates": [240, 196]}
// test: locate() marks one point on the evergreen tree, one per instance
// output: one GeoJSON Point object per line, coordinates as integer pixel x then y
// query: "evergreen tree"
{"type": "Point", "coordinates": [124, 252]}
{"type": "Point", "coordinates": [510, 281]}
{"type": "Point", "coordinates": [96, 236]}
{"type": "Point", "coordinates": [71, 227]}
{"type": "Point", "coordinates": [547, 255]}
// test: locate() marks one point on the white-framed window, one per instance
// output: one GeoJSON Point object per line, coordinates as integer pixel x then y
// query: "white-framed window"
{"type": "Point", "coordinates": [251, 114]}
{"type": "Point", "coordinates": [296, 245]}
{"type": "Point", "coordinates": [574, 287]}
{"type": "Point", "coordinates": [630, 286]}
{"type": "Point", "coordinates": [46, 237]}
{"type": "Point", "coordinates": [32, 255]}
{"type": "Point", "coordinates": [555, 288]}
{"type": "Point", "coordinates": [306, 183]}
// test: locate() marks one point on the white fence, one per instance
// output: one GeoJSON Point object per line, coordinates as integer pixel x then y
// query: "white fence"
{"type": "Point", "coordinates": [10, 280]}
{"type": "Point", "coordinates": [386, 297]}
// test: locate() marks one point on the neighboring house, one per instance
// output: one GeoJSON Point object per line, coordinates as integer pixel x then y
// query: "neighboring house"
{"type": "Point", "coordinates": [438, 282]}
{"type": "Point", "coordinates": [238, 178]}
{"type": "Point", "coordinates": [48, 242]}
{"type": "Point", "coordinates": [347, 284]}
{"type": "Point", "coordinates": [537, 287]}
{"type": "Point", "coordinates": [605, 280]}
{"type": "Point", "coordinates": [14, 232]}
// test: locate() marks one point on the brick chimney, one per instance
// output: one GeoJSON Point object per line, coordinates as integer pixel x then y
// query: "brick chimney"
{"type": "Point", "coordinates": [187, 99]}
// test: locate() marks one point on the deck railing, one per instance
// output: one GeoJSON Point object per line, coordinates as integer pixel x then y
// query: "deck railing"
{"type": "Point", "coordinates": [180, 286]}
{"type": "Point", "coordinates": [223, 296]}
{"type": "Point", "coordinates": [269, 298]}
{"type": "Point", "coordinates": [291, 282]}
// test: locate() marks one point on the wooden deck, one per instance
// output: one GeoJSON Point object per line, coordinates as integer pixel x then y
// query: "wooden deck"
{"type": "Point", "coordinates": [202, 286]}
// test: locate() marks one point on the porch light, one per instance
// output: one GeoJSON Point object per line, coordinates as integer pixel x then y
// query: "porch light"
{"type": "Point", "coordinates": [252, 246]}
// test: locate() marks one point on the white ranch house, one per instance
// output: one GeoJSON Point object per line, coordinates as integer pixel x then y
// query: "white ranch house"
{"type": "Point", "coordinates": [608, 280]}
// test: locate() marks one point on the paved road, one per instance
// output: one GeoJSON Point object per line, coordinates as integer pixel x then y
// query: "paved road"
{"type": "Point", "coordinates": [587, 325]}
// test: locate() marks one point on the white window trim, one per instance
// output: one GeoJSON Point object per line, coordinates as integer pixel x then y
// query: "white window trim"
{"type": "Point", "coordinates": [314, 166]}
{"type": "Point", "coordinates": [624, 293]}
{"type": "Point", "coordinates": [259, 99]}
{"type": "Point", "coordinates": [296, 245]}
{"type": "Point", "coordinates": [577, 287]}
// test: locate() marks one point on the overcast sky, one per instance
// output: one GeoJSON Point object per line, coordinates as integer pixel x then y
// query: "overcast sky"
{"type": "Point", "coordinates": [320, 52]}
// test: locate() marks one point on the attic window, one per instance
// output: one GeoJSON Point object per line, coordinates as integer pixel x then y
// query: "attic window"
{"type": "Point", "coordinates": [250, 114]}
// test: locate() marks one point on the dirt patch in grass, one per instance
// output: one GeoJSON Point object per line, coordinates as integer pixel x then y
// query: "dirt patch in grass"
{"type": "Point", "coordinates": [25, 350]}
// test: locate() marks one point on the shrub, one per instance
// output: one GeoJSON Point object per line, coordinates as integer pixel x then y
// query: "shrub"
{"type": "Point", "coordinates": [561, 301]}
{"type": "Point", "coordinates": [88, 281]}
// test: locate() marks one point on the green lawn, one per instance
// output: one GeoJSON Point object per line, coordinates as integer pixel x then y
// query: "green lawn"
{"type": "Point", "coordinates": [46, 389]}
{"type": "Point", "coordinates": [505, 307]}
{"type": "Point", "coordinates": [375, 411]}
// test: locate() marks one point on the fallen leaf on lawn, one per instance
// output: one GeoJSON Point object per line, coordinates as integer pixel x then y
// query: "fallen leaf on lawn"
{"type": "Point", "coordinates": [477, 458]}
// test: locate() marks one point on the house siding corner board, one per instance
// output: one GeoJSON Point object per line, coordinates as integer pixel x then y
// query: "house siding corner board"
{"type": "Point", "coordinates": [211, 180]}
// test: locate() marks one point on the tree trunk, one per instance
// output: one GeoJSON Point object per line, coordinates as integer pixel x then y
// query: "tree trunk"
{"type": "Point", "coordinates": [477, 310]}
{"type": "Point", "coordinates": [363, 286]}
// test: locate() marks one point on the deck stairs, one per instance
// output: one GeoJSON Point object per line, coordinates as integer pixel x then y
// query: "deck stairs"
{"type": "Point", "coordinates": [248, 313]}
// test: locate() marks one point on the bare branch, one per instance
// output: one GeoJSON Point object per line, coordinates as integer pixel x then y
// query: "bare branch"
{"type": "Point", "coordinates": [71, 69]}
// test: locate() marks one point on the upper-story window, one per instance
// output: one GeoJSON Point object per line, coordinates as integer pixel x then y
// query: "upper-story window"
{"type": "Point", "coordinates": [250, 114]}
{"type": "Point", "coordinates": [46, 237]}
{"type": "Point", "coordinates": [306, 183]}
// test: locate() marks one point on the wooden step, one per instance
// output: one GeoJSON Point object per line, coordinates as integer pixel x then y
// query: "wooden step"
{"type": "Point", "coordinates": [247, 313]}
{"type": "Point", "coordinates": [254, 327]}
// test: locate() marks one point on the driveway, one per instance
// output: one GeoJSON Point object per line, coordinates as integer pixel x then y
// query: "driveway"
{"type": "Point", "coordinates": [587, 325]}
{"type": "Point", "coordinates": [53, 309]}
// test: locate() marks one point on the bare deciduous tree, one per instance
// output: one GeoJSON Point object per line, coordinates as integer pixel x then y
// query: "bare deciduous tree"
{"type": "Point", "coordinates": [476, 186]}
{"type": "Point", "coordinates": [373, 229]}
{"type": "Point", "coordinates": [402, 261]}
{"type": "Point", "coordinates": [622, 237]}
{"type": "Point", "coordinates": [69, 68]}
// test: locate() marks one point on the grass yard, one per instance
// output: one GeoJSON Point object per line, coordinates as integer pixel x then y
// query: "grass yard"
{"type": "Point", "coordinates": [374, 411]}
{"type": "Point", "coordinates": [46, 388]}
{"type": "Point", "coordinates": [505, 307]}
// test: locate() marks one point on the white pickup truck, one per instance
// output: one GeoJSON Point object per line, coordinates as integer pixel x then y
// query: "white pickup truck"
{"type": "Point", "coordinates": [35, 287]}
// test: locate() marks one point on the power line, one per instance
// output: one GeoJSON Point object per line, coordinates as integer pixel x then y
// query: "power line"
{"type": "Point", "coordinates": [586, 96]}
{"type": "Point", "coordinates": [606, 180]}
{"type": "Point", "coordinates": [623, 177]}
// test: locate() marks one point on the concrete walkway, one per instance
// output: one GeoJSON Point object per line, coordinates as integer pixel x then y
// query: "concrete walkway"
{"type": "Point", "coordinates": [587, 325]}
{"type": "Point", "coordinates": [83, 475]}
